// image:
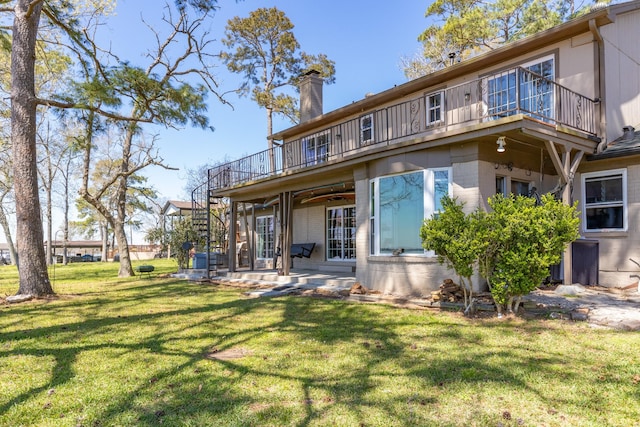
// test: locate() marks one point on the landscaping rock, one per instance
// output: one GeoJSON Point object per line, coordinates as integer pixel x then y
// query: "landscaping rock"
{"type": "Point", "coordinates": [580, 315]}
{"type": "Point", "coordinates": [358, 289]}
{"type": "Point", "coordinates": [570, 289]}
{"type": "Point", "coordinates": [14, 299]}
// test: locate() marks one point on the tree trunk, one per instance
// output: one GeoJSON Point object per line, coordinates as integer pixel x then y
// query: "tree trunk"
{"type": "Point", "coordinates": [516, 304]}
{"type": "Point", "coordinates": [65, 237]}
{"type": "Point", "coordinates": [104, 234]}
{"type": "Point", "coordinates": [272, 159]}
{"type": "Point", "coordinates": [49, 254]}
{"type": "Point", "coordinates": [126, 270]}
{"type": "Point", "coordinates": [32, 266]}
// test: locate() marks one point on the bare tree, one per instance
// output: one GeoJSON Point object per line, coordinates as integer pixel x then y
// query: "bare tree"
{"type": "Point", "coordinates": [33, 276]}
{"type": "Point", "coordinates": [170, 91]}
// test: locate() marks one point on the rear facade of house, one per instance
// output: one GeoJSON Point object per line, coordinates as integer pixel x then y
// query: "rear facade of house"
{"type": "Point", "coordinates": [555, 112]}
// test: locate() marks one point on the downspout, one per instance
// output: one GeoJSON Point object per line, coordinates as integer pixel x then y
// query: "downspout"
{"type": "Point", "coordinates": [600, 86]}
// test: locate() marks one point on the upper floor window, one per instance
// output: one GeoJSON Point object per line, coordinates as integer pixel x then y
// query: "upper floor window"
{"type": "Point", "coordinates": [399, 205]}
{"type": "Point", "coordinates": [528, 90]}
{"type": "Point", "coordinates": [434, 108]}
{"type": "Point", "coordinates": [316, 148]}
{"type": "Point", "coordinates": [604, 195]}
{"type": "Point", "coordinates": [366, 129]}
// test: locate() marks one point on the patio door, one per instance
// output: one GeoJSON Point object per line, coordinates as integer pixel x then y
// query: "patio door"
{"type": "Point", "coordinates": [527, 90]}
{"type": "Point", "coordinates": [341, 233]}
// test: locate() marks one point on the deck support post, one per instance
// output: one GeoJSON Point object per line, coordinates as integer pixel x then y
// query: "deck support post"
{"type": "Point", "coordinates": [286, 231]}
{"type": "Point", "coordinates": [233, 218]}
{"type": "Point", "coordinates": [566, 169]}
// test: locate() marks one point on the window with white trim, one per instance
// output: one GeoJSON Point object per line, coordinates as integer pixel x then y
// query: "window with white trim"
{"type": "Point", "coordinates": [315, 148]}
{"type": "Point", "coordinates": [399, 206]}
{"type": "Point", "coordinates": [434, 108]}
{"type": "Point", "coordinates": [604, 196]}
{"type": "Point", "coordinates": [341, 233]}
{"type": "Point", "coordinates": [366, 129]}
{"type": "Point", "coordinates": [264, 237]}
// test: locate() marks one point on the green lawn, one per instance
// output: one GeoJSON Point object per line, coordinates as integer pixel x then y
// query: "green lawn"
{"type": "Point", "coordinates": [144, 352]}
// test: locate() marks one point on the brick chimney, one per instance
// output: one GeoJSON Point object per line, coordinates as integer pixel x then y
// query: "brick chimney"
{"type": "Point", "coordinates": [310, 96]}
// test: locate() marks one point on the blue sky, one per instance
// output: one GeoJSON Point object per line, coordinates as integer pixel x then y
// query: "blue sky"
{"type": "Point", "coordinates": [365, 39]}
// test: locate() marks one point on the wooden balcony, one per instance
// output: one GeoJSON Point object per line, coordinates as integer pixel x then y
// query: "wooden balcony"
{"type": "Point", "coordinates": [510, 92]}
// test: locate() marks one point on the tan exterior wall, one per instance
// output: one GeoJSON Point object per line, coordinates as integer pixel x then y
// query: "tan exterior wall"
{"type": "Point", "coordinates": [617, 249]}
{"type": "Point", "coordinates": [362, 222]}
{"type": "Point", "coordinates": [576, 65]}
{"type": "Point", "coordinates": [308, 227]}
{"type": "Point", "coordinates": [465, 184]}
{"type": "Point", "coordinates": [622, 64]}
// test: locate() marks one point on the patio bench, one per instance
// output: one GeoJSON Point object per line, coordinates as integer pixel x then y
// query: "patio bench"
{"type": "Point", "coordinates": [145, 269]}
{"type": "Point", "coordinates": [299, 250]}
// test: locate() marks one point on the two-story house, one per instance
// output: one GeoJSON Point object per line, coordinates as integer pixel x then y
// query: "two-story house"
{"type": "Point", "coordinates": [550, 113]}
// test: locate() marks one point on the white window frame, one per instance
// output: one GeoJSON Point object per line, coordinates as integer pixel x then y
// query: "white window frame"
{"type": "Point", "coordinates": [430, 107]}
{"type": "Point", "coordinates": [611, 173]}
{"type": "Point", "coordinates": [364, 140]}
{"type": "Point", "coordinates": [506, 109]}
{"type": "Point", "coordinates": [429, 206]}
{"type": "Point", "coordinates": [263, 234]}
{"type": "Point", "coordinates": [343, 235]}
{"type": "Point", "coordinates": [316, 148]}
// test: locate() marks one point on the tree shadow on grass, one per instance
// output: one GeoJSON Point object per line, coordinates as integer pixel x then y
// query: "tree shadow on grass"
{"type": "Point", "coordinates": [369, 364]}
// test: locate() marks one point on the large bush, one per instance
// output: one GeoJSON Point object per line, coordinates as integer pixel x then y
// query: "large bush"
{"type": "Point", "coordinates": [512, 246]}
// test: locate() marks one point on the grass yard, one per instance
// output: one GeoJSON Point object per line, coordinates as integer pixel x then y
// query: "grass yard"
{"type": "Point", "coordinates": [144, 352]}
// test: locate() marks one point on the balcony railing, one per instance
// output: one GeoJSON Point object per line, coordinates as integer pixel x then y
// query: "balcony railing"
{"type": "Point", "coordinates": [511, 92]}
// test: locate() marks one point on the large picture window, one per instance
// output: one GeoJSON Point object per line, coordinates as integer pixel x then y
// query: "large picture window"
{"type": "Point", "coordinates": [341, 233]}
{"type": "Point", "coordinates": [264, 237]}
{"type": "Point", "coordinates": [520, 91]}
{"type": "Point", "coordinates": [400, 204]}
{"type": "Point", "coordinates": [604, 195]}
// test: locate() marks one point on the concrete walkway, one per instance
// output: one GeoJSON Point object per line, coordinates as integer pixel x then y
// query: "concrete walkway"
{"type": "Point", "coordinates": [611, 307]}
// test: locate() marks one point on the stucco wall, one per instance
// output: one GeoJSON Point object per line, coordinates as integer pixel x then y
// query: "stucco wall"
{"type": "Point", "coordinates": [622, 73]}
{"type": "Point", "coordinates": [308, 227]}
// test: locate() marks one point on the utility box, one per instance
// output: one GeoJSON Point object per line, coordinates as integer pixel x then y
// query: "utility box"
{"type": "Point", "coordinates": [585, 254]}
{"type": "Point", "coordinates": [199, 261]}
{"type": "Point", "coordinates": [216, 260]}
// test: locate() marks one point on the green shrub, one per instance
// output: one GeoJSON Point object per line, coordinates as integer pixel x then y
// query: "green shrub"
{"type": "Point", "coordinates": [512, 246]}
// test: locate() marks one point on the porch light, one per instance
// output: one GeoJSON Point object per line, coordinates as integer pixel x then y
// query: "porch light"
{"type": "Point", "coordinates": [501, 143]}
